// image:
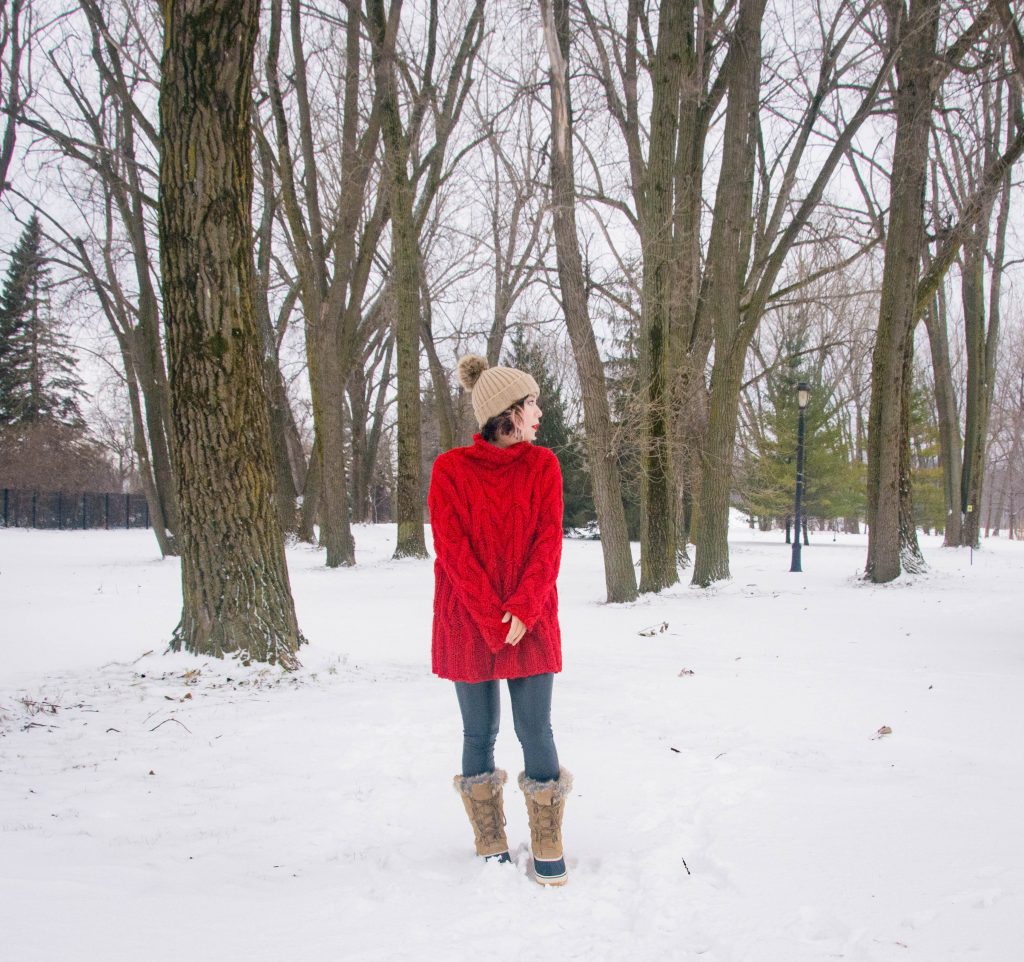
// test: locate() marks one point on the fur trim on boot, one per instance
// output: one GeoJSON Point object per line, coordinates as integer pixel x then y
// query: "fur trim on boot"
{"type": "Point", "coordinates": [545, 806]}
{"type": "Point", "coordinates": [482, 797]}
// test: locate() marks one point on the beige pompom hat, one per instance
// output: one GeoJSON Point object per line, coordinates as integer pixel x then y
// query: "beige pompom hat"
{"type": "Point", "coordinates": [494, 389]}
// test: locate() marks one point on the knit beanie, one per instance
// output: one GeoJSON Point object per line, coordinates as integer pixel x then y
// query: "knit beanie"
{"type": "Point", "coordinates": [494, 389]}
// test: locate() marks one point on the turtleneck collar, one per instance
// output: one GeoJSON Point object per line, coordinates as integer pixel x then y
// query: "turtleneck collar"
{"type": "Point", "coordinates": [485, 451]}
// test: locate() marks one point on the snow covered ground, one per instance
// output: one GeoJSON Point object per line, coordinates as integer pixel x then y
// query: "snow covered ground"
{"type": "Point", "coordinates": [734, 801]}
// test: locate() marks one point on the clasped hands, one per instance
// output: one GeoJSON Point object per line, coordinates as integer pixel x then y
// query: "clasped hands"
{"type": "Point", "coordinates": [516, 630]}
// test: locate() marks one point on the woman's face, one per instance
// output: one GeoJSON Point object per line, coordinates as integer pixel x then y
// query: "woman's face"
{"type": "Point", "coordinates": [530, 418]}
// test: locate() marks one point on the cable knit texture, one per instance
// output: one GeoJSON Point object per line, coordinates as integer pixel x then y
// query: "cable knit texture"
{"type": "Point", "coordinates": [496, 517]}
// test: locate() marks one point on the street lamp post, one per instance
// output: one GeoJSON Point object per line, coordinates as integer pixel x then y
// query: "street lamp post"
{"type": "Point", "coordinates": [803, 395]}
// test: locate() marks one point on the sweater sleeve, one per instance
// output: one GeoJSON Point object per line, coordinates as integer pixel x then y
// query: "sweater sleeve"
{"type": "Point", "coordinates": [541, 571]}
{"type": "Point", "coordinates": [455, 555]}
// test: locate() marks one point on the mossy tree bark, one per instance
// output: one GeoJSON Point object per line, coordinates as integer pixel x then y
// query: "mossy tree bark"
{"type": "Point", "coordinates": [656, 206]}
{"type": "Point", "coordinates": [237, 597]}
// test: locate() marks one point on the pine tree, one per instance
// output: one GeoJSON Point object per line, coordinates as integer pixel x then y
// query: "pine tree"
{"type": "Point", "coordinates": [38, 374]}
{"type": "Point", "coordinates": [833, 483]}
{"type": "Point", "coordinates": [15, 307]}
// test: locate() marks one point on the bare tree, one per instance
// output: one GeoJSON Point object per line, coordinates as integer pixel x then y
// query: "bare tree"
{"type": "Point", "coordinates": [333, 254]}
{"type": "Point", "coordinates": [907, 291]}
{"type": "Point", "coordinates": [891, 536]}
{"type": "Point", "coordinates": [411, 194]}
{"type": "Point", "coordinates": [963, 152]}
{"type": "Point", "coordinates": [103, 128]}
{"type": "Point", "coordinates": [768, 194]}
{"type": "Point", "coordinates": [618, 566]}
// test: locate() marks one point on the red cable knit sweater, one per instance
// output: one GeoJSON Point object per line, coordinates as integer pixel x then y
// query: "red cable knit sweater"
{"type": "Point", "coordinates": [496, 517]}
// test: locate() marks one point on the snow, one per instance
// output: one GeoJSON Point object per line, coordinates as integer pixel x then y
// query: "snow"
{"type": "Point", "coordinates": [734, 799]}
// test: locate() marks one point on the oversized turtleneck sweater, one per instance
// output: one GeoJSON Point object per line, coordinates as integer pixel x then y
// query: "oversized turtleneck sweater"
{"type": "Point", "coordinates": [496, 518]}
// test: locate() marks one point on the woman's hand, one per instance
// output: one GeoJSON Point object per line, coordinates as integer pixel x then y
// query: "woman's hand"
{"type": "Point", "coordinates": [516, 630]}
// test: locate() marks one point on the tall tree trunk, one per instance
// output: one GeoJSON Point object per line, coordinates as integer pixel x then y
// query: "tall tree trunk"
{"type": "Point", "coordinates": [620, 577]}
{"type": "Point", "coordinates": [723, 283]}
{"type": "Point", "coordinates": [237, 597]}
{"type": "Point", "coordinates": [328, 369]}
{"type": "Point", "coordinates": [690, 331]}
{"type": "Point", "coordinates": [711, 562]}
{"type": "Point", "coordinates": [976, 395]}
{"type": "Point", "coordinates": [326, 384]}
{"type": "Point", "coordinates": [982, 348]}
{"type": "Point", "coordinates": [405, 260]}
{"type": "Point", "coordinates": [915, 68]}
{"type": "Point", "coordinates": [658, 508]}
{"type": "Point", "coordinates": [406, 269]}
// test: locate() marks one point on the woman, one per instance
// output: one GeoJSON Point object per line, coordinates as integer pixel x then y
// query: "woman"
{"type": "Point", "coordinates": [496, 517]}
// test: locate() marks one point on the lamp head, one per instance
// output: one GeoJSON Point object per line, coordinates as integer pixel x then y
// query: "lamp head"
{"type": "Point", "coordinates": [803, 394]}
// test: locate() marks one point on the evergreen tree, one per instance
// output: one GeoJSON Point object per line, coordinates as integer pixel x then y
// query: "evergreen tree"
{"type": "Point", "coordinates": [15, 306]}
{"type": "Point", "coordinates": [833, 483]}
{"type": "Point", "coordinates": [38, 374]}
{"type": "Point", "coordinates": [555, 431]}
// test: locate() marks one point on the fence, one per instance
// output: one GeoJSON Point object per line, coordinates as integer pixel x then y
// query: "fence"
{"type": "Point", "coordinates": [73, 509]}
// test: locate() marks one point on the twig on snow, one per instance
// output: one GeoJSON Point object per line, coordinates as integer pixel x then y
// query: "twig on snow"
{"type": "Point", "coordinates": [175, 720]}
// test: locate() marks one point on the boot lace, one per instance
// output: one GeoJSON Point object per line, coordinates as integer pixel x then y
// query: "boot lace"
{"type": "Point", "coordinates": [487, 819]}
{"type": "Point", "coordinates": [545, 821]}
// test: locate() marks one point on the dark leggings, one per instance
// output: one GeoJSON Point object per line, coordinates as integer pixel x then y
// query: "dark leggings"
{"type": "Point", "coordinates": [531, 716]}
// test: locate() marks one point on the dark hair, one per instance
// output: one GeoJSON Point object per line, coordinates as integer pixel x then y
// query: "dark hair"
{"type": "Point", "coordinates": [503, 423]}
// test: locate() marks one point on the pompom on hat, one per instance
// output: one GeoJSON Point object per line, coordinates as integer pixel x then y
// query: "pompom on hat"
{"type": "Point", "coordinates": [494, 389]}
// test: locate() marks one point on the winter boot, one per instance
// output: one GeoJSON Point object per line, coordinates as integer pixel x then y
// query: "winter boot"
{"type": "Point", "coordinates": [481, 794]}
{"type": "Point", "coordinates": [545, 805]}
